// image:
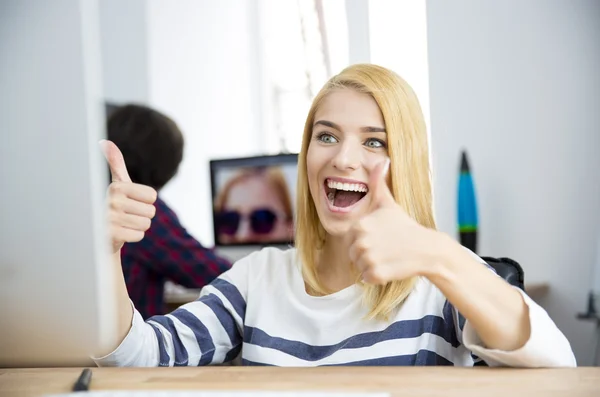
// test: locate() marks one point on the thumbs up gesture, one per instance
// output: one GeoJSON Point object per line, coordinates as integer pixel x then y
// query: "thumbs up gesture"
{"type": "Point", "coordinates": [387, 244]}
{"type": "Point", "coordinates": [130, 205]}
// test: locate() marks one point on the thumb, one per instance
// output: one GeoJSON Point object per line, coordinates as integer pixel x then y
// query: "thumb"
{"type": "Point", "coordinates": [381, 194]}
{"type": "Point", "coordinates": [113, 155]}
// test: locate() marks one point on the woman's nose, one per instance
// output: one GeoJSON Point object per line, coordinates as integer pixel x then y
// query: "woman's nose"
{"type": "Point", "coordinates": [348, 155]}
{"type": "Point", "coordinates": [244, 233]}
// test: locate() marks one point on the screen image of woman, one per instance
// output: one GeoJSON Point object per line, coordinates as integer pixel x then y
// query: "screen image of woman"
{"type": "Point", "coordinates": [254, 206]}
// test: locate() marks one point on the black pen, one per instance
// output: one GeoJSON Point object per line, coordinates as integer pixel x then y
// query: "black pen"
{"type": "Point", "coordinates": [83, 383]}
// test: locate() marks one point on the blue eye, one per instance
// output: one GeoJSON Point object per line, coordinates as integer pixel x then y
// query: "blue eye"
{"type": "Point", "coordinates": [375, 143]}
{"type": "Point", "coordinates": [326, 138]}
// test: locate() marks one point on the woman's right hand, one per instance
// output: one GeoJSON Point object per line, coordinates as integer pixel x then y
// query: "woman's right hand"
{"type": "Point", "coordinates": [130, 205]}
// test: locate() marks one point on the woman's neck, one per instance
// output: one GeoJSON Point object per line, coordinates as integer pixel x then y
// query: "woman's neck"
{"type": "Point", "coordinates": [335, 269]}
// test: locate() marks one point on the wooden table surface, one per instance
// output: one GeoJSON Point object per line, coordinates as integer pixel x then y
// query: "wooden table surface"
{"type": "Point", "coordinates": [398, 381]}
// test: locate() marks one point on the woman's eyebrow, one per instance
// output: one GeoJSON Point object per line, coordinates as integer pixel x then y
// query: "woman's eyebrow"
{"type": "Point", "coordinates": [337, 127]}
{"type": "Point", "coordinates": [373, 129]}
{"type": "Point", "coordinates": [327, 124]}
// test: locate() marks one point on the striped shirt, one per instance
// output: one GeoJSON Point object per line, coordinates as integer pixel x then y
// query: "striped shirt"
{"type": "Point", "coordinates": [259, 311]}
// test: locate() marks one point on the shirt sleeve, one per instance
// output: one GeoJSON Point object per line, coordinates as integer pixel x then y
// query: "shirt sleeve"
{"type": "Point", "coordinates": [547, 345]}
{"type": "Point", "coordinates": [206, 331]}
{"type": "Point", "coordinates": [174, 253]}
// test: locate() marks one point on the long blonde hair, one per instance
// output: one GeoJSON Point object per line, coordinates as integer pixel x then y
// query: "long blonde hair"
{"type": "Point", "coordinates": [409, 172]}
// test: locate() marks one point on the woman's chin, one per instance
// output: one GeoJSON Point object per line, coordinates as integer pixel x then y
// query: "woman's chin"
{"type": "Point", "coordinates": [336, 228]}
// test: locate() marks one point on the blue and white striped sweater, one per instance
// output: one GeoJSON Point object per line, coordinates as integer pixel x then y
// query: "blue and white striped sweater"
{"type": "Point", "coordinates": [260, 309]}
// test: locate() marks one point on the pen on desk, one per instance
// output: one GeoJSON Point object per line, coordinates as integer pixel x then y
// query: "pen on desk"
{"type": "Point", "coordinates": [83, 382]}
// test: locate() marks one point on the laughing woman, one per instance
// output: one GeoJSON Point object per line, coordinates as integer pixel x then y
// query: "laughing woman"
{"type": "Point", "coordinates": [370, 282]}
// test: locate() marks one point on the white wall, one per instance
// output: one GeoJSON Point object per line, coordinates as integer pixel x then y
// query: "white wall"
{"type": "Point", "coordinates": [359, 50]}
{"type": "Point", "coordinates": [518, 84]}
{"type": "Point", "coordinates": [203, 68]}
{"type": "Point", "coordinates": [198, 62]}
{"type": "Point", "coordinates": [398, 41]}
{"type": "Point", "coordinates": [124, 37]}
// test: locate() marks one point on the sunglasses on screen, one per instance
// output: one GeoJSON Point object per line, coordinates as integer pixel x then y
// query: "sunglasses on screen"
{"type": "Point", "coordinates": [262, 221]}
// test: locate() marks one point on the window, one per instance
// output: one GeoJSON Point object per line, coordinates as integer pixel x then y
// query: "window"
{"type": "Point", "coordinates": [302, 40]}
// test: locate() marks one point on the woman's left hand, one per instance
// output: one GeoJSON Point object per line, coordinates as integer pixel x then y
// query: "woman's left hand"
{"type": "Point", "coordinates": [387, 244]}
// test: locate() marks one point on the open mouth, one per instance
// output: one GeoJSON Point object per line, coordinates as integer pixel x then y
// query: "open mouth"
{"type": "Point", "coordinates": [343, 194]}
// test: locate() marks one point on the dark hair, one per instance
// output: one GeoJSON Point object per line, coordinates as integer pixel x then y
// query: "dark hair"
{"type": "Point", "coordinates": [151, 143]}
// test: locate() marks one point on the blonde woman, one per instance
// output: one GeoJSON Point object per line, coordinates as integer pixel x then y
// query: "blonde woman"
{"type": "Point", "coordinates": [254, 206]}
{"type": "Point", "coordinates": [370, 282]}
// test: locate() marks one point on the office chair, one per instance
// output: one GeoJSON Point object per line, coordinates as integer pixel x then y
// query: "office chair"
{"type": "Point", "coordinates": [508, 269]}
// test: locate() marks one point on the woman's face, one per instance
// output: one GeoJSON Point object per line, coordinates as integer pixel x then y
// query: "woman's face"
{"type": "Point", "coordinates": [348, 141]}
{"type": "Point", "coordinates": [253, 213]}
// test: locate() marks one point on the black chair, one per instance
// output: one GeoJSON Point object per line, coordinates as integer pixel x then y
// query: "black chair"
{"type": "Point", "coordinates": [508, 269]}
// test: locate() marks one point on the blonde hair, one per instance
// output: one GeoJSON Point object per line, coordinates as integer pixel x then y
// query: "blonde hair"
{"type": "Point", "coordinates": [409, 172]}
{"type": "Point", "coordinates": [273, 175]}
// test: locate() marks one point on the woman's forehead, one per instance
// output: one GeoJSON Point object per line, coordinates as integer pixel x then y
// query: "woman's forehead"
{"type": "Point", "coordinates": [250, 190]}
{"type": "Point", "coordinates": [350, 108]}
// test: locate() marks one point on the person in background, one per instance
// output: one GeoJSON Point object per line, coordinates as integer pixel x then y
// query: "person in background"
{"type": "Point", "coordinates": [152, 147]}
{"type": "Point", "coordinates": [255, 206]}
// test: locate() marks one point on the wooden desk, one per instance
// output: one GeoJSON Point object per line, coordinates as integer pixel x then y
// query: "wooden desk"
{"type": "Point", "coordinates": [537, 291]}
{"type": "Point", "coordinates": [398, 381]}
{"type": "Point", "coordinates": [174, 300]}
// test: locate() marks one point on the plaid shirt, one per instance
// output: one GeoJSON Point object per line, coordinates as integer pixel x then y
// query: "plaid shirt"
{"type": "Point", "coordinates": [167, 252]}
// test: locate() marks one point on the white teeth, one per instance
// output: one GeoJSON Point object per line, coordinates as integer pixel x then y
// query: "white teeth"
{"type": "Point", "coordinates": [349, 187]}
{"type": "Point", "coordinates": [331, 196]}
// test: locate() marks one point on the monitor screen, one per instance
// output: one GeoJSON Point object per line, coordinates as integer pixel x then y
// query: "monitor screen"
{"type": "Point", "coordinates": [254, 200]}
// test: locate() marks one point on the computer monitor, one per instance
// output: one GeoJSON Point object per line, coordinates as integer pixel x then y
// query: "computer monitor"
{"type": "Point", "coordinates": [253, 202]}
{"type": "Point", "coordinates": [56, 301]}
